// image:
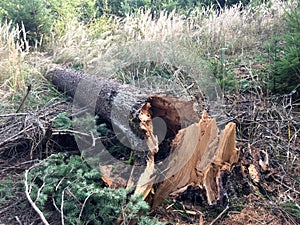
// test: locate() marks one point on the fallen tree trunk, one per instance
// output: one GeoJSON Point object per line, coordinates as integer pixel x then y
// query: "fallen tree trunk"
{"type": "Point", "coordinates": [196, 154]}
{"type": "Point", "coordinates": [125, 106]}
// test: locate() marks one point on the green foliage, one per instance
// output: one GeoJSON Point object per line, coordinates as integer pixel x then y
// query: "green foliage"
{"type": "Point", "coordinates": [80, 10]}
{"type": "Point", "coordinates": [145, 220]}
{"type": "Point", "coordinates": [33, 14]}
{"type": "Point", "coordinates": [86, 123]}
{"type": "Point", "coordinates": [222, 69]}
{"type": "Point", "coordinates": [103, 130]}
{"type": "Point", "coordinates": [68, 183]}
{"type": "Point", "coordinates": [292, 208]}
{"type": "Point", "coordinates": [89, 123]}
{"type": "Point", "coordinates": [62, 121]}
{"type": "Point", "coordinates": [285, 51]}
{"type": "Point", "coordinates": [6, 190]}
{"type": "Point", "coordinates": [39, 16]}
{"type": "Point", "coordinates": [99, 25]}
{"type": "Point", "coordinates": [121, 8]}
{"type": "Point", "coordinates": [233, 75]}
{"type": "Point", "coordinates": [143, 72]}
{"type": "Point", "coordinates": [92, 124]}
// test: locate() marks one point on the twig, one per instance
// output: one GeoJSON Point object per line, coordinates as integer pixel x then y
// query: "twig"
{"type": "Point", "coordinates": [6, 126]}
{"type": "Point", "coordinates": [16, 135]}
{"type": "Point", "coordinates": [56, 207]}
{"type": "Point", "coordinates": [82, 208]}
{"type": "Point", "coordinates": [19, 221]}
{"type": "Point", "coordinates": [25, 97]}
{"type": "Point", "coordinates": [34, 206]}
{"type": "Point", "coordinates": [13, 114]}
{"type": "Point", "coordinates": [8, 207]}
{"type": "Point", "coordinates": [40, 190]}
{"type": "Point", "coordinates": [59, 183]}
{"type": "Point", "coordinates": [220, 215]}
{"type": "Point", "coordinates": [283, 184]}
{"type": "Point", "coordinates": [60, 132]}
{"type": "Point", "coordinates": [94, 139]}
{"type": "Point", "coordinates": [18, 165]}
{"type": "Point", "coordinates": [62, 207]}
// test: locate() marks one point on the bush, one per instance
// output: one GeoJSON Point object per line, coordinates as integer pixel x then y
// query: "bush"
{"type": "Point", "coordinates": [286, 54]}
{"type": "Point", "coordinates": [38, 16]}
{"type": "Point", "coordinates": [33, 14]}
{"type": "Point", "coordinates": [68, 183]}
{"type": "Point", "coordinates": [121, 8]}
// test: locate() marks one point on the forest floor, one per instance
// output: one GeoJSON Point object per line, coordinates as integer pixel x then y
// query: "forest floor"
{"type": "Point", "coordinates": [268, 134]}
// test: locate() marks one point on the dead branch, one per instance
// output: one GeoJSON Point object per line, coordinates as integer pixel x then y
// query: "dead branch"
{"type": "Point", "coordinates": [34, 206]}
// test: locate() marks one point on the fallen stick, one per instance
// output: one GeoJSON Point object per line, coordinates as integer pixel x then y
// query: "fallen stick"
{"type": "Point", "coordinates": [34, 206]}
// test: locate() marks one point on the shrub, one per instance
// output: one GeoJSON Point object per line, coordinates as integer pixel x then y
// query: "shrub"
{"type": "Point", "coordinates": [121, 8]}
{"type": "Point", "coordinates": [286, 54]}
{"type": "Point", "coordinates": [67, 183]}
{"type": "Point", "coordinates": [38, 16]}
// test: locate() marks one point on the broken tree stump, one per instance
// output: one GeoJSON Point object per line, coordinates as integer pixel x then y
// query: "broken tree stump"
{"type": "Point", "coordinates": [212, 155]}
{"type": "Point", "coordinates": [197, 154]}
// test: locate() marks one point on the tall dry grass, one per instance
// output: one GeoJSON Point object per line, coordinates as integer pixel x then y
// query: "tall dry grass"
{"type": "Point", "coordinates": [13, 50]}
{"type": "Point", "coordinates": [20, 66]}
{"type": "Point", "coordinates": [113, 44]}
{"type": "Point", "coordinates": [143, 26]}
{"type": "Point", "coordinates": [239, 30]}
{"type": "Point", "coordinates": [73, 46]}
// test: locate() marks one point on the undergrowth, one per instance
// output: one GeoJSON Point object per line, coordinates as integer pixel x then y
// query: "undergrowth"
{"type": "Point", "coordinates": [285, 51]}
{"type": "Point", "coordinates": [68, 185]}
{"type": "Point", "coordinates": [231, 45]}
{"type": "Point", "coordinates": [101, 130]}
{"type": "Point", "coordinates": [20, 68]}
{"type": "Point", "coordinates": [97, 47]}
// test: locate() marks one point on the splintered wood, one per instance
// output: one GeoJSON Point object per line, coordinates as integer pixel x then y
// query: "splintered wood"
{"type": "Point", "coordinates": [212, 154]}
{"type": "Point", "coordinates": [152, 143]}
{"type": "Point", "coordinates": [194, 154]}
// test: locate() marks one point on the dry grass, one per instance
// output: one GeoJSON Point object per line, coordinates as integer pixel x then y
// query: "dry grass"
{"type": "Point", "coordinates": [237, 29]}
{"type": "Point", "coordinates": [20, 66]}
{"type": "Point", "coordinates": [13, 50]}
{"type": "Point", "coordinates": [72, 47]}
{"type": "Point", "coordinates": [112, 45]}
{"type": "Point", "coordinates": [142, 26]}
{"type": "Point", "coordinates": [205, 32]}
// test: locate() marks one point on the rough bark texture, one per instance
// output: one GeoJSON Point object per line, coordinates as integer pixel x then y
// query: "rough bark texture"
{"type": "Point", "coordinates": [197, 155]}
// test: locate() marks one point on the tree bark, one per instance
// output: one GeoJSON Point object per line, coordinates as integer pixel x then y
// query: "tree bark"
{"type": "Point", "coordinates": [197, 155]}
